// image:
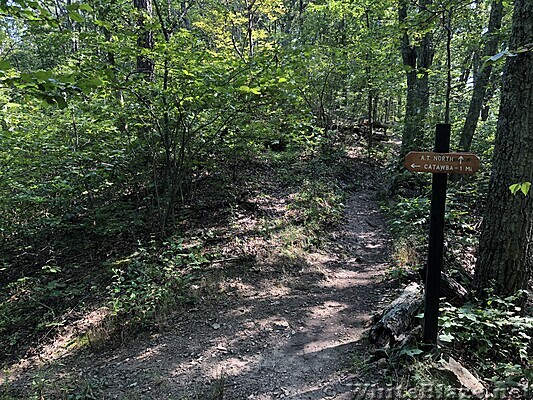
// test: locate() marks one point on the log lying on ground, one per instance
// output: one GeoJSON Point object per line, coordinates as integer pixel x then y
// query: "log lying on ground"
{"type": "Point", "coordinates": [399, 316]}
{"type": "Point", "coordinates": [396, 321]}
{"type": "Point", "coordinates": [452, 291]}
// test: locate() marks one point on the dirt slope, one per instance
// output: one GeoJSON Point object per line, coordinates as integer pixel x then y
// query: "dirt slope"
{"type": "Point", "coordinates": [292, 330]}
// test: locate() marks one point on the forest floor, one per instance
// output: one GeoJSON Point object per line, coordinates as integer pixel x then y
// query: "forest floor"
{"type": "Point", "coordinates": [267, 321]}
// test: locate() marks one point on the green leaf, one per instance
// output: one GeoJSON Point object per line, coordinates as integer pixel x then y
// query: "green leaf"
{"type": "Point", "coordinates": [411, 352]}
{"type": "Point", "coordinates": [4, 65]}
{"type": "Point", "coordinates": [498, 56]}
{"type": "Point", "coordinates": [255, 90]}
{"type": "Point", "coordinates": [60, 101]}
{"type": "Point", "coordinates": [103, 24]}
{"type": "Point", "coordinates": [85, 7]}
{"type": "Point", "coordinates": [446, 338]}
{"type": "Point", "coordinates": [88, 84]}
{"type": "Point", "coordinates": [94, 82]}
{"type": "Point", "coordinates": [43, 75]}
{"type": "Point", "coordinates": [76, 16]}
{"type": "Point", "coordinates": [515, 188]}
{"type": "Point", "coordinates": [526, 186]}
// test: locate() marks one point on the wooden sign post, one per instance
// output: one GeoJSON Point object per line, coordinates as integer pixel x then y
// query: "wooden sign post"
{"type": "Point", "coordinates": [440, 163]}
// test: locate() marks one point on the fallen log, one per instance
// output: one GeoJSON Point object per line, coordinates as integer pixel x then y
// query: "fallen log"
{"type": "Point", "coordinates": [395, 322]}
{"type": "Point", "coordinates": [453, 291]}
{"type": "Point", "coordinates": [398, 317]}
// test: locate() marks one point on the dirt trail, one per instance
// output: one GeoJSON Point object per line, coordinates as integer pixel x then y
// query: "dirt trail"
{"type": "Point", "coordinates": [295, 334]}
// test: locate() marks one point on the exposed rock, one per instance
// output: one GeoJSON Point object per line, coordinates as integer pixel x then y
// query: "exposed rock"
{"type": "Point", "coordinates": [463, 377]}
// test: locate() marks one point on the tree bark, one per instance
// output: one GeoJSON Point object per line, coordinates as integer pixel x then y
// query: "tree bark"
{"type": "Point", "coordinates": [482, 77]}
{"type": "Point", "coordinates": [505, 248]}
{"type": "Point", "coordinates": [417, 61]}
{"type": "Point", "coordinates": [399, 316]}
{"type": "Point", "coordinates": [425, 54]}
{"type": "Point", "coordinates": [146, 39]}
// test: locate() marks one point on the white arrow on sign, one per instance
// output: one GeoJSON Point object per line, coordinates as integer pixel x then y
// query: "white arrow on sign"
{"type": "Point", "coordinates": [461, 159]}
{"type": "Point", "coordinates": [413, 165]}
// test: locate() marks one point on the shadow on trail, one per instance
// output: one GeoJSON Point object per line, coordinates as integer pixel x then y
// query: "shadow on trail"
{"type": "Point", "coordinates": [290, 329]}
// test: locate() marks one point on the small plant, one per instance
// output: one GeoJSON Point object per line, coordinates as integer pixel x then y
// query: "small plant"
{"type": "Point", "coordinates": [319, 203]}
{"type": "Point", "coordinates": [151, 280]}
{"type": "Point", "coordinates": [523, 187]}
{"type": "Point", "coordinates": [494, 337]}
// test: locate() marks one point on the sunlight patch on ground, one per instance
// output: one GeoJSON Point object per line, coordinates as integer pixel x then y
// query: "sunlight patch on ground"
{"type": "Point", "coordinates": [345, 279]}
{"type": "Point", "coordinates": [151, 352]}
{"type": "Point", "coordinates": [232, 366]}
{"type": "Point", "coordinates": [74, 337]}
{"type": "Point", "coordinates": [320, 346]}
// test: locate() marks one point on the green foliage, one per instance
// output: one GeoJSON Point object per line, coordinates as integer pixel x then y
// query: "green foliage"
{"type": "Point", "coordinates": [319, 204]}
{"type": "Point", "coordinates": [94, 156]}
{"type": "Point", "coordinates": [463, 208]}
{"type": "Point", "coordinates": [149, 283]}
{"type": "Point", "coordinates": [408, 215]}
{"type": "Point", "coordinates": [494, 336]}
{"type": "Point", "coordinates": [523, 187]}
{"type": "Point", "coordinates": [408, 222]}
{"type": "Point", "coordinates": [68, 387]}
{"type": "Point", "coordinates": [490, 338]}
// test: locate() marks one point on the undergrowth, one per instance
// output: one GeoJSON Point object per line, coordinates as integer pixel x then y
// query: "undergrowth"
{"type": "Point", "coordinates": [491, 338]}
{"type": "Point", "coordinates": [149, 282]}
{"type": "Point", "coordinates": [141, 284]}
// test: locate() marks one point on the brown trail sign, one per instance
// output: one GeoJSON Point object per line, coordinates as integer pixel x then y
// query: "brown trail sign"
{"type": "Point", "coordinates": [441, 163]}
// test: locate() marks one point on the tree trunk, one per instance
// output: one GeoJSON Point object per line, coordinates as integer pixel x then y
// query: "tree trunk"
{"type": "Point", "coordinates": [482, 77]}
{"type": "Point", "coordinates": [145, 40]}
{"type": "Point", "coordinates": [409, 62]}
{"type": "Point", "coordinates": [74, 28]}
{"type": "Point", "coordinates": [505, 248]}
{"type": "Point", "coordinates": [417, 61]}
{"type": "Point", "coordinates": [186, 21]}
{"type": "Point", "coordinates": [250, 14]}
{"type": "Point", "coordinates": [424, 61]}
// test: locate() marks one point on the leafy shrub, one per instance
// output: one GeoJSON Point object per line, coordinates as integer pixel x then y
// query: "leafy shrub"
{"type": "Point", "coordinates": [151, 280]}
{"type": "Point", "coordinates": [320, 204]}
{"type": "Point", "coordinates": [408, 215]}
{"type": "Point", "coordinates": [494, 337]}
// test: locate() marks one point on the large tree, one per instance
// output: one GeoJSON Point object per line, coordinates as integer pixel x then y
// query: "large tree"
{"type": "Point", "coordinates": [482, 76]}
{"type": "Point", "coordinates": [506, 249]}
{"type": "Point", "coordinates": [417, 58]}
{"type": "Point", "coordinates": [146, 37]}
